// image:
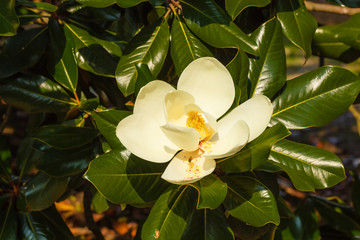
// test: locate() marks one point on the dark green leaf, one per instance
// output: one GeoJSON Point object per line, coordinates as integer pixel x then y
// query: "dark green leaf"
{"type": "Point", "coordinates": [34, 93]}
{"type": "Point", "coordinates": [297, 23]}
{"type": "Point", "coordinates": [100, 204]}
{"type": "Point", "coordinates": [5, 164]}
{"type": "Point", "coordinates": [150, 47]}
{"type": "Point", "coordinates": [254, 153]}
{"type": "Point", "coordinates": [211, 190]}
{"type": "Point", "coordinates": [27, 156]}
{"type": "Point", "coordinates": [22, 51]}
{"type": "Point", "coordinates": [245, 231]}
{"type": "Point", "coordinates": [144, 76]}
{"type": "Point", "coordinates": [89, 104]}
{"type": "Point", "coordinates": [128, 3]}
{"type": "Point", "coordinates": [308, 167]}
{"type": "Point", "coordinates": [97, 3]}
{"type": "Point", "coordinates": [207, 224]}
{"type": "Point", "coordinates": [316, 98]}
{"type": "Point", "coordinates": [355, 191]}
{"type": "Point", "coordinates": [185, 47]}
{"type": "Point", "coordinates": [347, 3]}
{"type": "Point", "coordinates": [42, 191]}
{"type": "Point", "coordinates": [61, 61]}
{"type": "Point", "coordinates": [39, 5]}
{"type": "Point", "coordinates": [106, 123]}
{"type": "Point", "coordinates": [170, 214]}
{"type": "Point", "coordinates": [8, 221]}
{"type": "Point", "coordinates": [65, 137]}
{"type": "Point", "coordinates": [93, 54]}
{"type": "Point", "coordinates": [209, 22]}
{"type": "Point", "coordinates": [9, 22]}
{"type": "Point", "coordinates": [235, 7]}
{"type": "Point", "coordinates": [267, 73]}
{"type": "Point", "coordinates": [123, 178]}
{"type": "Point", "coordinates": [250, 201]}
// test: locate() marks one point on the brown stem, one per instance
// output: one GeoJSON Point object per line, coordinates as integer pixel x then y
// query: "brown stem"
{"type": "Point", "coordinates": [319, 7]}
{"type": "Point", "coordinates": [88, 216]}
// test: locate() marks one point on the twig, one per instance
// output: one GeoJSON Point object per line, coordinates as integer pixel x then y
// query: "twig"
{"type": "Point", "coordinates": [6, 119]}
{"type": "Point", "coordinates": [88, 216]}
{"type": "Point", "coordinates": [356, 115]}
{"type": "Point", "coordinates": [319, 7]}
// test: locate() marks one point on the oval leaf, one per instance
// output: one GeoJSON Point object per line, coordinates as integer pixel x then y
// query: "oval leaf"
{"type": "Point", "coordinates": [308, 167]}
{"type": "Point", "coordinates": [97, 3]}
{"type": "Point", "coordinates": [9, 22]}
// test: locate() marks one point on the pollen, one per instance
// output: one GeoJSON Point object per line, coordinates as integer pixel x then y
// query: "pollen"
{"type": "Point", "coordinates": [196, 121]}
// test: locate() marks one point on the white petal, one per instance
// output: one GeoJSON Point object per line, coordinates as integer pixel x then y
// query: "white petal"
{"type": "Point", "coordinates": [150, 100]}
{"type": "Point", "coordinates": [181, 171]}
{"type": "Point", "coordinates": [256, 112]}
{"type": "Point", "coordinates": [210, 83]}
{"type": "Point", "coordinates": [229, 144]}
{"type": "Point", "coordinates": [174, 104]}
{"type": "Point", "coordinates": [142, 136]}
{"type": "Point", "coordinates": [184, 137]}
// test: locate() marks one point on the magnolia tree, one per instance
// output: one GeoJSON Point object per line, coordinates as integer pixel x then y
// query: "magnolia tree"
{"type": "Point", "coordinates": [182, 106]}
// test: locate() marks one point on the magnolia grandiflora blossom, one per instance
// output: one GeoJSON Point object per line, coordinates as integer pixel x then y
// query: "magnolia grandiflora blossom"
{"type": "Point", "coordinates": [183, 125]}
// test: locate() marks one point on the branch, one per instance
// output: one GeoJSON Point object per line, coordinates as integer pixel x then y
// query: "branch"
{"type": "Point", "coordinates": [88, 216]}
{"type": "Point", "coordinates": [319, 7]}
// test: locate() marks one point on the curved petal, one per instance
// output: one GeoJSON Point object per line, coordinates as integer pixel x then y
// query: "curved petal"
{"type": "Point", "coordinates": [174, 104]}
{"type": "Point", "coordinates": [150, 100]}
{"type": "Point", "coordinates": [184, 137]}
{"type": "Point", "coordinates": [182, 171]}
{"type": "Point", "coordinates": [229, 144]}
{"type": "Point", "coordinates": [256, 112]}
{"type": "Point", "coordinates": [210, 83]}
{"type": "Point", "coordinates": [142, 136]}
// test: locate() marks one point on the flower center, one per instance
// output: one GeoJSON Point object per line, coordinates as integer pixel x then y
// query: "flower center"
{"type": "Point", "coordinates": [195, 120]}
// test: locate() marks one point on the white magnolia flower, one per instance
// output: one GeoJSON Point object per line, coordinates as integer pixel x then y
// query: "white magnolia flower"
{"type": "Point", "coordinates": [183, 125]}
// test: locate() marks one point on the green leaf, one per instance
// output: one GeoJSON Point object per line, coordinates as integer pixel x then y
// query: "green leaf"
{"type": "Point", "coordinates": [250, 201]}
{"type": "Point", "coordinates": [346, 3]}
{"type": "Point", "coordinates": [254, 153]}
{"type": "Point", "coordinates": [64, 136]}
{"type": "Point", "coordinates": [123, 178]}
{"type": "Point", "coordinates": [42, 191]}
{"type": "Point", "coordinates": [100, 204]}
{"type": "Point", "coordinates": [308, 167]}
{"type": "Point", "coordinates": [5, 162]}
{"type": "Point", "coordinates": [267, 74]}
{"type": "Point", "coordinates": [97, 3]}
{"type": "Point", "coordinates": [106, 123]}
{"type": "Point", "coordinates": [245, 231]}
{"type": "Point", "coordinates": [22, 51]}
{"type": "Point", "coordinates": [34, 93]}
{"type": "Point", "coordinates": [39, 5]}
{"type": "Point", "coordinates": [149, 46]}
{"type": "Point", "coordinates": [207, 224]}
{"type": "Point", "coordinates": [61, 61]}
{"type": "Point", "coordinates": [355, 191]}
{"type": "Point", "coordinates": [315, 98]}
{"type": "Point", "coordinates": [9, 22]}
{"type": "Point", "coordinates": [8, 222]}
{"type": "Point", "coordinates": [170, 214]}
{"type": "Point", "coordinates": [211, 190]}
{"type": "Point", "coordinates": [235, 7]}
{"type": "Point", "coordinates": [144, 76]}
{"type": "Point", "coordinates": [210, 23]}
{"type": "Point", "coordinates": [27, 156]}
{"type": "Point", "coordinates": [185, 47]}
{"type": "Point", "coordinates": [94, 54]}
{"type": "Point", "coordinates": [88, 104]}
{"type": "Point", "coordinates": [128, 3]}
{"type": "Point", "coordinates": [297, 23]}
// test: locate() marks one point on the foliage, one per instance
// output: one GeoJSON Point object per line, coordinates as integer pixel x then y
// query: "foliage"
{"type": "Point", "coordinates": [76, 68]}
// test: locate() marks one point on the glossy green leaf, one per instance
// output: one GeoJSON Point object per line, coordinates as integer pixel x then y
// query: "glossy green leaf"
{"type": "Point", "coordinates": [254, 153]}
{"type": "Point", "coordinates": [39, 5]}
{"type": "Point", "coordinates": [210, 23]}
{"type": "Point", "coordinates": [235, 7]}
{"type": "Point", "coordinates": [150, 46]}
{"type": "Point", "coordinates": [346, 3]}
{"type": "Point", "coordinates": [308, 167]}
{"type": "Point", "coordinates": [297, 23]}
{"type": "Point", "coordinates": [94, 54]}
{"type": "Point", "coordinates": [128, 3]}
{"type": "Point", "coordinates": [9, 22]}
{"type": "Point", "coordinates": [207, 224]}
{"type": "Point", "coordinates": [267, 73]}
{"type": "Point", "coordinates": [250, 201]}
{"type": "Point", "coordinates": [99, 202]}
{"type": "Point", "coordinates": [123, 178]}
{"type": "Point", "coordinates": [64, 136]}
{"type": "Point", "coordinates": [34, 93]}
{"type": "Point", "coordinates": [8, 221]}
{"type": "Point", "coordinates": [106, 123]}
{"type": "Point", "coordinates": [212, 192]}
{"type": "Point", "coordinates": [169, 216]}
{"type": "Point", "coordinates": [42, 191]}
{"type": "Point", "coordinates": [315, 98]}
{"type": "Point", "coordinates": [185, 47]}
{"type": "Point", "coordinates": [22, 51]}
{"type": "Point", "coordinates": [88, 104]}
{"type": "Point", "coordinates": [97, 3]}
{"type": "Point", "coordinates": [61, 61]}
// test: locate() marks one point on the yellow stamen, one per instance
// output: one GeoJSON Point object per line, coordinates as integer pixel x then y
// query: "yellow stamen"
{"type": "Point", "coordinates": [196, 121]}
